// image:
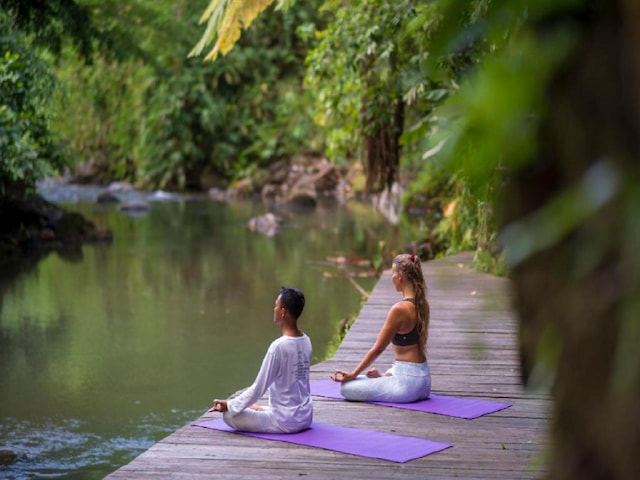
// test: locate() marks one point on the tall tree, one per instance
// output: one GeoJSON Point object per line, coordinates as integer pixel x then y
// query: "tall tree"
{"type": "Point", "coordinates": [578, 202]}
{"type": "Point", "coordinates": [555, 107]}
{"type": "Point", "coordinates": [364, 103]}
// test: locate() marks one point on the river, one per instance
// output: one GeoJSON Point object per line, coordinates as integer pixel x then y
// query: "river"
{"type": "Point", "coordinates": [108, 349]}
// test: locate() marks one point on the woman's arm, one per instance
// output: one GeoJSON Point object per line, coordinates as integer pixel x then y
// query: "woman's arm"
{"type": "Point", "coordinates": [388, 330]}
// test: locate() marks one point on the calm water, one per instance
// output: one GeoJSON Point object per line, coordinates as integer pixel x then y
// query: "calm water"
{"type": "Point", "coordinates": [104, 353]}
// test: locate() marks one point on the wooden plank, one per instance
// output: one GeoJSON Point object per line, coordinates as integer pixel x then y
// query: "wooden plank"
{"type": "Point", "coordinates": [472, 351]}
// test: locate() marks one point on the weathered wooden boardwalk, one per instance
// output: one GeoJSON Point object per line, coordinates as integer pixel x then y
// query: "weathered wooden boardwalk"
{"type": "Point", "coordinates": [472, 352]}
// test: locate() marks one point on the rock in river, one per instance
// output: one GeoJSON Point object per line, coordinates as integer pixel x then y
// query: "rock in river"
{"type": "Point", "coordinates": [266, 224]}
{"type": "Point", "coordinates": [136, 208]}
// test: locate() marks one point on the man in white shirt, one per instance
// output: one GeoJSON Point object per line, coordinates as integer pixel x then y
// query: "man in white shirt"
{"type": "Point", "coordinates": [284, 372]}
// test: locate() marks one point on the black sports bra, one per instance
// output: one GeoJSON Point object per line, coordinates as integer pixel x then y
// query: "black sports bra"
{"type": "Point", "coordinates": [410, 338]}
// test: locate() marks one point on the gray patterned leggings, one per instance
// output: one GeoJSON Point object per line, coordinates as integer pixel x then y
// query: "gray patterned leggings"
{"type": "Point", "coordinates": [408, 382]}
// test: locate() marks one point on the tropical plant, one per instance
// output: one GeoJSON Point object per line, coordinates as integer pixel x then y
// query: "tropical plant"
{"type": "Point", "coordinates": [225, 21]}
{"type": "Point", "coordinates": [33, 36]}
{"type": "Point", "coordinates": [162, 120]}
{"type": "Point", "coordinates": [27, 148]}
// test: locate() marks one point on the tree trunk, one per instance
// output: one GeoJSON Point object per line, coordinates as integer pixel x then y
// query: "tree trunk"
{"type": "Point", "coordinates": [578, 300]}
{"type": "Point", "coordinates": [382, 150]}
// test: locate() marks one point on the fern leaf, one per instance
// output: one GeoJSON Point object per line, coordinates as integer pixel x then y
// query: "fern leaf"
{"type": "Point", "coordinates": [252, 9]}
{"type": "Point", "coordinates": [284, 4]}
{"type": "Point", "coordinates": [215, 6]}
{"type": "Point", "coordinates": [228, 18]}
{"type": "Point", "coordinates": [214, 16]}
{"type": "Point", "coordinates": [229, 31]}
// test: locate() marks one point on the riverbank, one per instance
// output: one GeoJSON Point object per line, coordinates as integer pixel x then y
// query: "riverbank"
{"type": "Point", "coordinates": [304, 183]}
{"type": "Point", "coordinates": [32, 227]}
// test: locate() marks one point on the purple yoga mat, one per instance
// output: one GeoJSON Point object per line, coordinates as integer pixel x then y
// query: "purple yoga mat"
{"type": "Point", "coordinates": [454, 407]}
{"type": "Point", "coordinates": [365, 443]}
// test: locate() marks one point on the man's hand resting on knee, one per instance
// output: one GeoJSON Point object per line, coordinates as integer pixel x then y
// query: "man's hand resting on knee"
{"type": "Point", "coordinates": [219, 406]}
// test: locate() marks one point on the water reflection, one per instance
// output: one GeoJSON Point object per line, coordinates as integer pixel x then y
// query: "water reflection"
{"type": "Point", "coordinates": [104, 355]}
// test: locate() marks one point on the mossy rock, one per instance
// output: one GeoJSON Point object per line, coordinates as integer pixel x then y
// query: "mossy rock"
{"type": "Point", "coordinates": [7, 457]}
{"type": "Point", "coordinates": [73, 227]}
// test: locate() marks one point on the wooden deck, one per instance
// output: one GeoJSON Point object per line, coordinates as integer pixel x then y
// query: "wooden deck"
{"type": "Point", "coordinates": [472, 353]}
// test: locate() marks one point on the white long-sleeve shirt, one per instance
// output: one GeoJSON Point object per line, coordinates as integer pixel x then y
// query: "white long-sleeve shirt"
{"type": "Point", "coordinates": [285, 372]}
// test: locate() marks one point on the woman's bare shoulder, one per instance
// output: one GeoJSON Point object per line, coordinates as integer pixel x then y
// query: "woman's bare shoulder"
{"type": "Point", "coordinates": [403, 305]}
{"type": "Point", "coordinates": [402, 309]}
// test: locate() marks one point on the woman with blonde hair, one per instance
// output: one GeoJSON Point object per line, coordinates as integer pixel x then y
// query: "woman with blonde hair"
{"type": "Point", "coordinates": [406, 328]}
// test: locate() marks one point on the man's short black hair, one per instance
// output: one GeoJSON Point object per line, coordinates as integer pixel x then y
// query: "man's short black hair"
{"type": "Point", "coordinates": [293, 300]}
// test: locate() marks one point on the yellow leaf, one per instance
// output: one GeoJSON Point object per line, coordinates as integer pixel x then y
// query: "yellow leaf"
{"type": "Point", "coordinates": [213, 15]}
{"type": "Point", "coordinates": [230, 29]}
{"type": "Point", "coordinates": [237, 17]}
{"type": "Point", "coordinates": [252, 9]}
{"type": "Point", "coordinates": [450, 208]}
{"type": "Point", "coordinates": [214, 6]}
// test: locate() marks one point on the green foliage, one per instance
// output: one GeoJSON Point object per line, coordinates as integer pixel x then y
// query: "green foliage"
{"type": "Point", "coordinates": [363, 64]}
{"type": "Point", "coordinates": [141, 111]}
{"type": "Point", "coordinates": [485, 129]}
{"type": "Point", "coordinates": [375, 52]}
{"type": "Point", "coordinates": [31, 31]}
{"type": "Point", "coordinates": [49, 22]}
{"type": "Point", "coordinates": [27, 149]}
{"type": "Point", "coordinates": [169, 120]}
{"type": "Point", "coordinates": [100, 110]}
{"type": "Point", "coordinates": [491, 122]}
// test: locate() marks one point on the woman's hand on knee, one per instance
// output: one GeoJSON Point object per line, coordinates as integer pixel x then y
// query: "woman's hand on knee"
{"type": "Point", "coordinates": [374, 373]}
{"type": "Point", "coordinates": [341, 376]}
{"type": "Point", "coordinates": [257, 408]}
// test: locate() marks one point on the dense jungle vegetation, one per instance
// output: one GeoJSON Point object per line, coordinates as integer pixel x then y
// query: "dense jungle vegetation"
{"type": "Point", "coordinates": [111, 84]}
{"type": "Point", "coordinates": [512, 117]}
